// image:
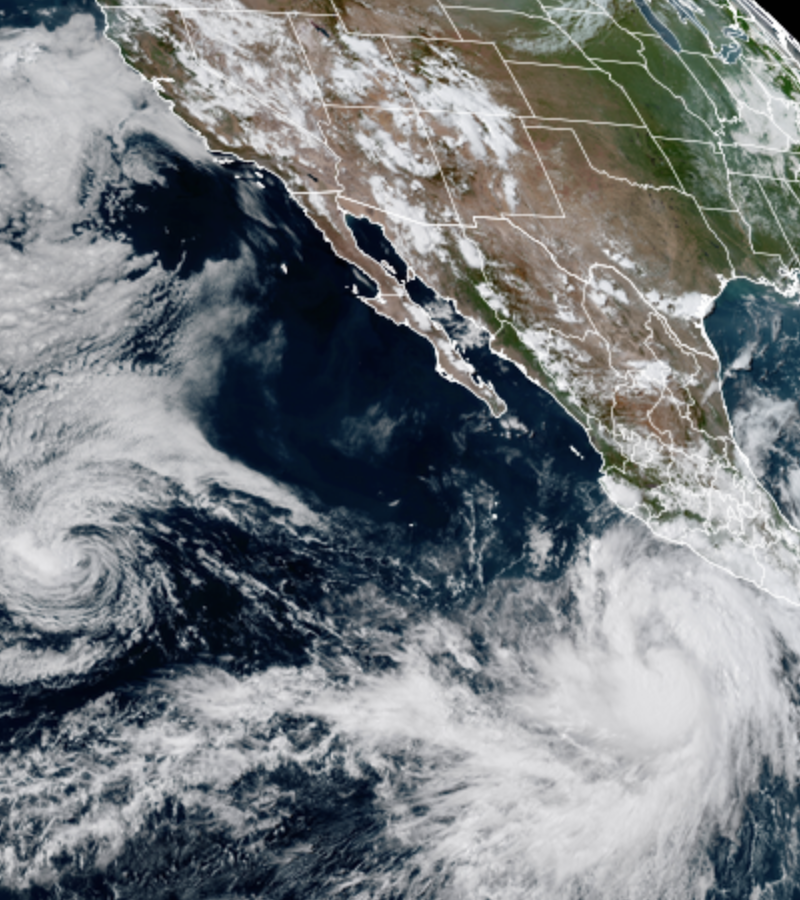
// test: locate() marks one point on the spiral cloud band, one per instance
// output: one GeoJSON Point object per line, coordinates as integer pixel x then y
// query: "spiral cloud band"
{"type": "Point", "coordinates": [223, 674]}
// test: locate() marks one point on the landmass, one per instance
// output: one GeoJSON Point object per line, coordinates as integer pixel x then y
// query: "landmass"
{"type": "Point", "coordinates": [581, 179]}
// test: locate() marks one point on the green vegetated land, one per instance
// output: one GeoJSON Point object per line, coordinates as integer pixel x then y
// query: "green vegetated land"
{"type": "Point", "coordinates": [576, 62]}
{"type": "Point", "coordinates": [582, 65]}
{"type": "Point", "coordinates": [629, 153]}
{"type": "Point", "coordinates": [640, 111]}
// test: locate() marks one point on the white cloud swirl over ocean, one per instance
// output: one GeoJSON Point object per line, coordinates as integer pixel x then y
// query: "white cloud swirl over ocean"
{"type": "Point", "coordinates": [586, 737]}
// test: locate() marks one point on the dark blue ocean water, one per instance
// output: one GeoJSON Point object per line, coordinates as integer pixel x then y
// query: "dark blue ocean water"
{"type": "Point", "coordinates": [428, 502]}
{"type": "Point", "coordinates": [756, 333]}
{"type": "Point", "coordinates": [357, 419]}
{"type": "Point", "coordinates": [30, 13]}
{"type": "Point", "coordinates": [412, 469]}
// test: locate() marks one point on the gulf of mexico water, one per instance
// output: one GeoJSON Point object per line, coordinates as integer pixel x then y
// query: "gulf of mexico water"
{"type": "Point", "coordinates": [756, 332]}
{"type": "Point", "coordinates": [285, 613]}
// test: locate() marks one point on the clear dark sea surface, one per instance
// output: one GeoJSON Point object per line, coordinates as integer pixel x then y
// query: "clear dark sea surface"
{"type": "Point", "coordinates": [286, 614]}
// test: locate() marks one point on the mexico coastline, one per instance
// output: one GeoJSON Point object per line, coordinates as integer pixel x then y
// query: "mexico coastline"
{"type": "Point", "coordinates": [286, 613]}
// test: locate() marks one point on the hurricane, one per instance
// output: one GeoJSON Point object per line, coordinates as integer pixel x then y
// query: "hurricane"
{"type": "Point", "coordinates": [287, 613]}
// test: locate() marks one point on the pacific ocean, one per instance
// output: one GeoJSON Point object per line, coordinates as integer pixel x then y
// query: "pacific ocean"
{"type": "Point", "coordinates": [285, 613]}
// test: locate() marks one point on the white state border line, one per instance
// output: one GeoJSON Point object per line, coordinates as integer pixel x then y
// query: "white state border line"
{"type": "Point", "coordinates": [191, 39]}
{"type": "Point", "coordinates": [428, 109]}
{"type": "Point", "coordinates": [244, 11]}
{"type": "Point", "coordinates": [528, 122]}
{"type": "Point", "coordinates": [343, 195]}
{"type": "Point", "coordinates": [289, 15]}
{"type": "Point", "coordinates": [547, 122]}
{"type": "Point", "coordinates": [507, 62]}
{"type": "Point", "coordinates": [526, 15]}
{"type": "Point", "coordinates": [320, 92]}
{"type": "Point", "coordinates": [789, 243]}
{"type": "Point", "coordinates": [212, 11]}
{"type": "Point", "coordinates": [450, 20]}
{"type": "Point", "coordinates": [425, 131]}
{"type": "Point", "coordinates": [413, 108]}
{"type": "Point", "coordinates": [543, 65]}
{"type": "Point", "coordinates": [676, 188]}
{"type": "Point", "coordinates": [760, 566]}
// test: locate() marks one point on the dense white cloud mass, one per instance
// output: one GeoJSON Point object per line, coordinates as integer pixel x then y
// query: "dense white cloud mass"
{"type": "Point", "coordinates": [67, 106]}
{"type": "Point", "coordinates": [600, 756]}
{"type": "Point", "coordinates": [88, 434]}
{"type": "Point", "coordinates": [581, 738]}
{"type": "Point", "coordinates": [768, 430]}
{"type": "Point", "coordinates": [604, 753]}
